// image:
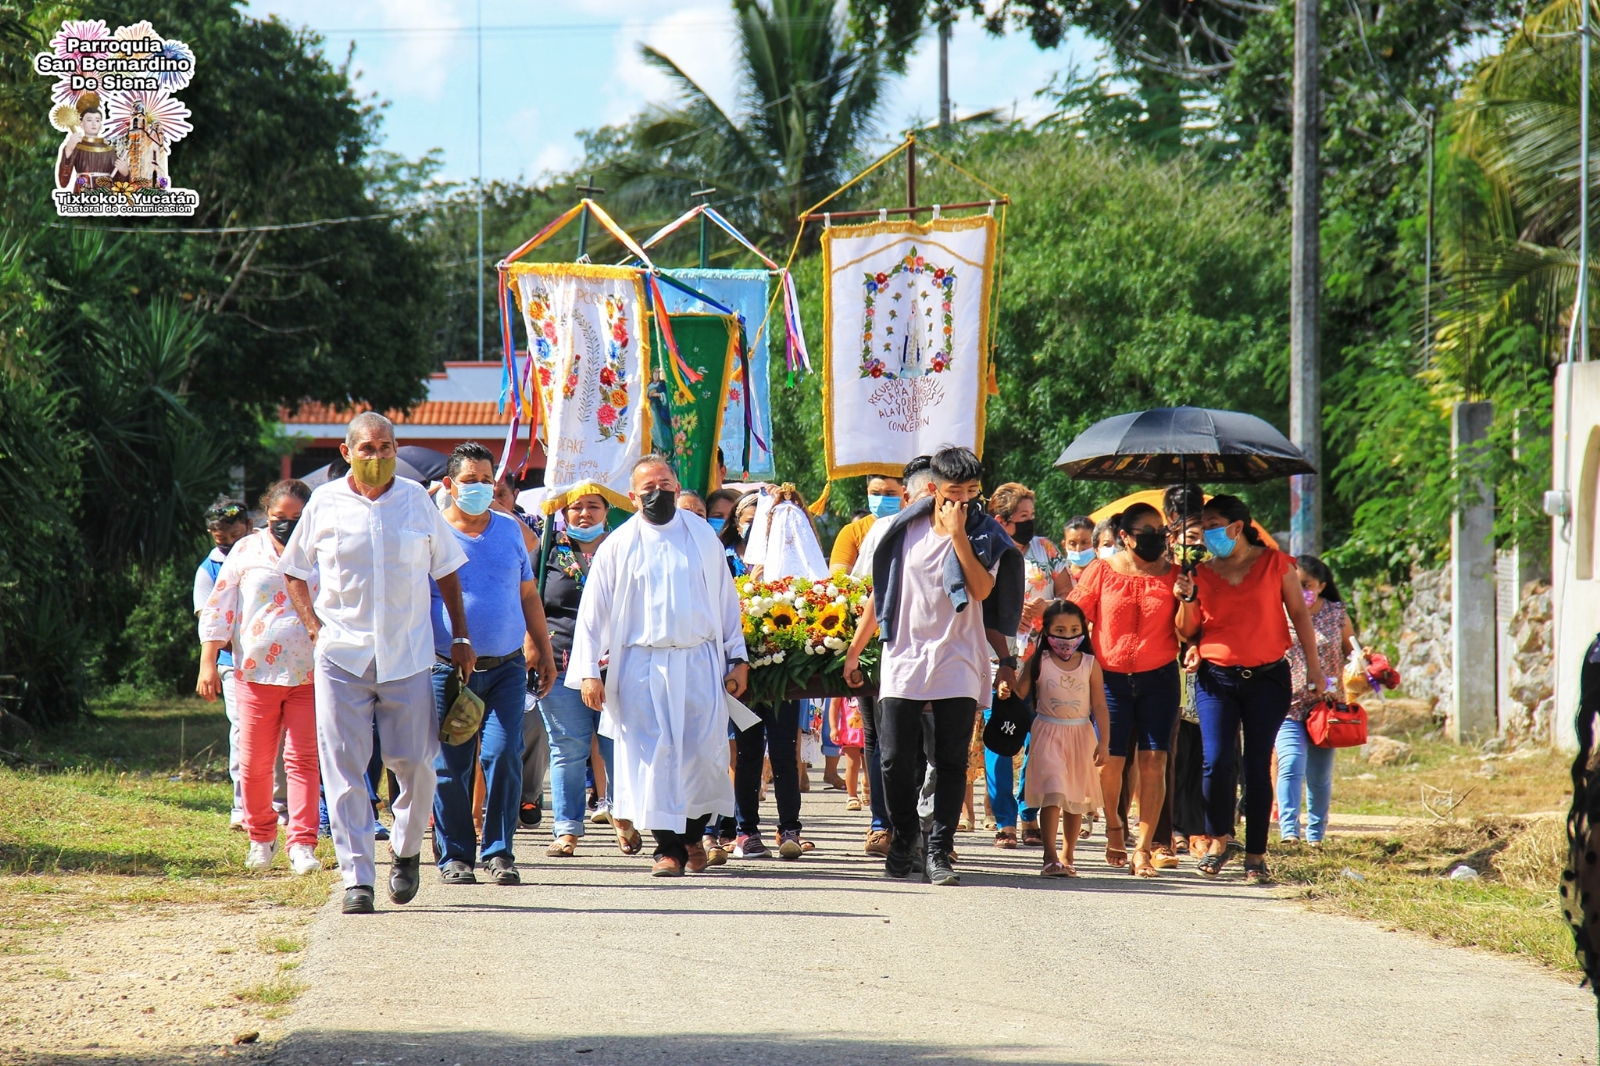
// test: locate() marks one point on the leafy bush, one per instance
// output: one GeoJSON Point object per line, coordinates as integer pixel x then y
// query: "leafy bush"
{"type": "Point", "coordinates": [161, 638]}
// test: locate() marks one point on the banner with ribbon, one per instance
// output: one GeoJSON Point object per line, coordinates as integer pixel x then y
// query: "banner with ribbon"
{"type": "Point", "coordinates": [906, 328]}
{"type": "Point", "coordinates": [744, 292]}
{"type": "Point", "coordinates": [590, 356]}
{"type": "Point", "coordinates": [687, 423]}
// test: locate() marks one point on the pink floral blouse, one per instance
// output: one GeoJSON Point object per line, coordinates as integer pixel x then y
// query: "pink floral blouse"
{"type": "Point", "coordinates": [250, 608]}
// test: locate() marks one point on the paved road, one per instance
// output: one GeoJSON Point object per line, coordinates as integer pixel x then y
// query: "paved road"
{"type": "Point", "coordinates": [824, 961]}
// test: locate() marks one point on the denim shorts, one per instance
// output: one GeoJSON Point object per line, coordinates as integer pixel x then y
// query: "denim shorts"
{"type": "Point", "coordinates": [1143, 708]}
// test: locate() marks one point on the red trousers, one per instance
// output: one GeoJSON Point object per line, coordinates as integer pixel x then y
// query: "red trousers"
{"type": "Point", "coordinates": [269, 714]}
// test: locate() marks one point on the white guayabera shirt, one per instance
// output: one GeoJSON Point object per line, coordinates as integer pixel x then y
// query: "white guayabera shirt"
{"type": "Point", "coordinates": [374, 558]}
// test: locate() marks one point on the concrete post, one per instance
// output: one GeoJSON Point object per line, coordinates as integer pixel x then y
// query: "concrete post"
{"type": "Point", "coordinates": [1305, 282]}
{"type": "Point", "coordinates": [1472, 587]}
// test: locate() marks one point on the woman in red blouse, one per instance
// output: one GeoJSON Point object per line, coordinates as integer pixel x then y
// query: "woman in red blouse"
{"type": "Point", "coordinates": [1130, 600]}
{"type": "Point", "coordinates": [1236, 604]}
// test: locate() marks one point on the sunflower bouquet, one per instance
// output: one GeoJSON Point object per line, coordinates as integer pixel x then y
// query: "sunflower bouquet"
{"type": "Point", "coordinates": [797, 631]}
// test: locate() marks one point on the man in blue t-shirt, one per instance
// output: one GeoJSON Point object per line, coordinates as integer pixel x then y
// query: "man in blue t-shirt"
{"type": "Point", "coordinates": [228, 521]}
{"type": "Point", "coordinates": [503, 609]}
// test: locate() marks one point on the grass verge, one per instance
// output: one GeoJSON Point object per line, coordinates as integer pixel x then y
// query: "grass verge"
{"type": "Point", "coordinates": [1401, 880]}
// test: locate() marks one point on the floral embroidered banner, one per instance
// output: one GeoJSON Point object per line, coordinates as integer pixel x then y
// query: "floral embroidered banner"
{"type": "Point", "coordinates": [686, 428]}
{"type": "Point", "coordinates": [591, 354]}
{"type": "Point", "coordinates": [906, 325]}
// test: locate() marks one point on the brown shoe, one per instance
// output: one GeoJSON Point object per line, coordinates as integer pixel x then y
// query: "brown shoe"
{"type": "Point", "coordinates": [697, 858]}
{"type": "Point", "coordinates": [1162, 859]}
{"type": "Point", "coordinates": [878, 842]}
{"type": "Point", "coordinates": [666, 866]}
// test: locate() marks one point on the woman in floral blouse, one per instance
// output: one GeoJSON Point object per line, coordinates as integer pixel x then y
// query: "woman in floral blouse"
{"type": "Point", "coordinates": [272, 653]}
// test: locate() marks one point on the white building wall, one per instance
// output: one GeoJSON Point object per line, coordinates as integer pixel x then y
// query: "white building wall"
{"type": "Point", "coordinates": [1575, 548]}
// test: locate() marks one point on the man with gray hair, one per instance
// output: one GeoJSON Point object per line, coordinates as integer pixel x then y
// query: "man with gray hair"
{"type": "Point", "coordinates": [660, 609]}
{"type": "Point", "coordinates": [374, 541]}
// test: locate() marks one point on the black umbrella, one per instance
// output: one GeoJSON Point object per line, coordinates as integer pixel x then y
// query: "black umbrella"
{"type": "Point", "coordinates": [425, 461]}
{"type": "Point", "coordinates": [1170, 445]}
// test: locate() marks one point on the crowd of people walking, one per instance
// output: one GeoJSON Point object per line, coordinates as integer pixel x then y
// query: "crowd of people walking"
{"type": "Point", "coordinates": [451, 654]}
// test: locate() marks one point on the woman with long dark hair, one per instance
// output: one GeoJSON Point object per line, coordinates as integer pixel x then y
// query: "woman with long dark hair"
{"type": "Point", "coordinates": [1236, 605]}
{"type": "Point", "coordinates": [1301, 762]}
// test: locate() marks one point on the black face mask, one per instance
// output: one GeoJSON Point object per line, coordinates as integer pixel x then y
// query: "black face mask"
{"type": "Point", "coordinates": [658, 506]}
{"type": "Point", "coordinates": [282, 528]}
{"type": "Point", "coordinates": [1024, 532]}
{"type": "Point", "coordinates": [1149, 544]}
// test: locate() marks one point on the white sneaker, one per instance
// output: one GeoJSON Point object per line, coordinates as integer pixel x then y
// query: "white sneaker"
{"type": "Point", "coordinates": [236, 822]}
{"type": "Point", "coordinates": [303, 859]}
{"type": "Point", "coordinates": [601, 815]}
{"type": "Point", "coordinates": [262, 852]}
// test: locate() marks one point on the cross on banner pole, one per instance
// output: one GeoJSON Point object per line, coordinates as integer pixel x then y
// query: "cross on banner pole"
{"type": "Point", "coordinates": [704, 196]}
{"type": "Point", "coordinates": [587, 191]}
{"type": "Point", "coordinates": [911, 173]}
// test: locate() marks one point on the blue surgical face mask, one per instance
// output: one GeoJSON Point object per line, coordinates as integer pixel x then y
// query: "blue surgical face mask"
{"type": "Point", "coordinates": [1107, 550]}
{"type": "Point", "coordinates": [716, 525]}
{"type": "Point", "coordinates": [883, 506]}
{"type": "Point", "coordinates": [1083, 558]}
{"type": "Point", "coordinates": [1218, 543]}
{"type": "Point", "coordinates": [474, 497]}
{"type": "Point", "coordinates": [585, 534]}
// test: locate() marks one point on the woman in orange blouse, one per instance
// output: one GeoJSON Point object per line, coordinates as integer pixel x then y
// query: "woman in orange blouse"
{"type": "Point", "coordinates": [1131, 600]}
{"type": "Point", "coordinates": [1236, 604]}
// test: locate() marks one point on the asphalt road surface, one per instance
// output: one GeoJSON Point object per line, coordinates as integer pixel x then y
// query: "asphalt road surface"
{"type": "Point", "coordinates": [823, 960]}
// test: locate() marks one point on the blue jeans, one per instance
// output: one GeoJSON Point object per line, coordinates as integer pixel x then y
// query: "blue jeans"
{"type": "Point", "coordinates": [869, 738]}
{"type": "Point", "coordinates": [498, 747]}
{"type": "Point", "coordinates": [1299, 761]}
{"type": "Point", "coordinates": [1004, 800]}
{"type": "Point", "coordinates": [571, 725]}
{"type": "Point", "coordinates": [1226, 699]}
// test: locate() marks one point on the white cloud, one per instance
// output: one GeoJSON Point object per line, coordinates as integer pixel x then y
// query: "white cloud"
{"type": "Point", "coordinates": [699, 37]}
{"type": "Point", "coordinates": [414, 64]}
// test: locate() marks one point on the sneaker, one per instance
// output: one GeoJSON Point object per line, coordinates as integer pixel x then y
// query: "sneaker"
{"type": "Point", "coordinates": [456, 872]}
{"type": "Point", "coordinates": [878, 842]}
{"type": "Point", "coordinates": [503, 871]}
{"type": "Point", "coordinates": [404, 878]}
{"type": "Point", "coordinates": [789, 845]}
{"type": "Point", "coordinates": [601, 815]}
{"type": "Point", "coordinates": [716, 854]}
{"type": "Point", "coordinates": [236, 822]}
{"type": "Point", "coordinates": [530, 815]}
{"type": "Point", "coordinates": [262, 852]}
{"type": "Point", "coordinates": [749, 846]}
{"type": "Point", "coordinates": [898, 862]}
{"type": "Point", "coordinates": [359, 900]}
{"type": "Point", "coordinates": [379, 830]}
{"type": "Point", "coordinates": [938, 871]}
{"type": "Point", "coordinates": [283, 817]}
{"type": "Point", "coordinates": [303, 859]}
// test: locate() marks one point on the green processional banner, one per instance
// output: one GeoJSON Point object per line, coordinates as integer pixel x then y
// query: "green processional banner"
{"type": "Point", "coordinates": [687, 413]}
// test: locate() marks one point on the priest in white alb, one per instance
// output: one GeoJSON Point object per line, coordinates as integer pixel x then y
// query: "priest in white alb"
{"type": "Point", "coordinates": [660, 624]}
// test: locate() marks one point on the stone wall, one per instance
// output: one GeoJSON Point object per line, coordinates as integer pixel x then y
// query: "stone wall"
{"type": "Point", "coordinates": [1421, 638]}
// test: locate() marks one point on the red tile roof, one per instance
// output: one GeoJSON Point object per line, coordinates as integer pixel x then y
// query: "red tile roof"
{"type": "Point", "coordinates": [427, 413]}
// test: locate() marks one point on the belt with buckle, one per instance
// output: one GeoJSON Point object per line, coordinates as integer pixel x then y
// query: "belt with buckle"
{"type": "Point", "coordinates": [484, 662]}
{"type": "Point", "coordinates": [1246, 672]}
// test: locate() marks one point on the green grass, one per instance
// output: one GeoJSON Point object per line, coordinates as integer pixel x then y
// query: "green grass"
{"type": "Point", "coordinates": [274, 993]}
{"type": "Point", "coordinates": [1512, 907]}
{"type": "Point", "coordinates": [128, 809]}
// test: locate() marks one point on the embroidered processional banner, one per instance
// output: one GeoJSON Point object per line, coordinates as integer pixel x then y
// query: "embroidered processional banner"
{"type": "Point", "coordinates": [687, 415]}
{"type": "Point", "coordinates": [746, 293]}
{"type": "Point", "coordinates": [906, 318]}
{"type": "Point", "coordinates": [591, 359]}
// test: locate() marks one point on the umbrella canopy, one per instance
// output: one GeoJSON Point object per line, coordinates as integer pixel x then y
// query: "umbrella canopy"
{"type": "Point", "coordinates": [1171, 445]}
{"type": "Point", "coordinates": [425, 461]}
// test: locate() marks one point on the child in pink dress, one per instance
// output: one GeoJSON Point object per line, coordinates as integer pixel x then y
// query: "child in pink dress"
{"type": "Point", "coordinates": [848, 733]}
{"type": "Point", "coordinates": [1063, 748]}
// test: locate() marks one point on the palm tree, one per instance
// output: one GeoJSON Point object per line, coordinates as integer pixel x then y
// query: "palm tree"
{"type": "Point", "coordinates": [807, 98]}
{"type": "Point", "coordinates": [1511, 243]}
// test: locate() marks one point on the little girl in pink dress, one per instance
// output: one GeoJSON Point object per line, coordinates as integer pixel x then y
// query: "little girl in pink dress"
{"type": "Point", "coordinates": [1065, 745]}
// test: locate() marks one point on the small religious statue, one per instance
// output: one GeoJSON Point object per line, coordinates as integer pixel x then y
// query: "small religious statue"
{"type": "Point", "coordinates": [86, 160]}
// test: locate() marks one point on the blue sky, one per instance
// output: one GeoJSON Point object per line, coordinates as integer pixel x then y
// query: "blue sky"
{"type": "Point", "coordinates": [551, 70]}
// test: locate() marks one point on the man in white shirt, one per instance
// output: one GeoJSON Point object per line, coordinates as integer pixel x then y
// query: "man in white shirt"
{"type": "Point", "coordinates": [374, 540]}
{"type": "Point", "coordinates": [660, 606]}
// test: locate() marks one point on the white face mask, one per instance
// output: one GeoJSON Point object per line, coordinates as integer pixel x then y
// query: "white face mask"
{"type": "Point", "coordinates": [1107, 550]}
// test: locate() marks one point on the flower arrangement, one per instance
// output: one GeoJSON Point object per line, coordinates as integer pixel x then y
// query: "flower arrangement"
{"type": "Point", "coordinates": [797, 631]}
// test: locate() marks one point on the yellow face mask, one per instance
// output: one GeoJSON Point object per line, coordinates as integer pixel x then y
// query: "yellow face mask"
{"type": "Point", "coordinates": [373, 472]}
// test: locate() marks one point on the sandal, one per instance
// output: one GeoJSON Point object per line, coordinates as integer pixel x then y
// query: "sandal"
{"type": "Point", "coordinates": [1005, 839]}
{"type": "Point", "coordinates": [806, 845]}
{"type": "Point", "coordinates": [629, 842]}
{"type": "Point", "coordinates": [852, 804]}
{"type": "Point", "coordinates": [1116, 854]}
{"type": "Point", "coordinates": [1142, 867]}
{"type": "Point", "coordinates": [1162, 859]}
{"type": "Point", "coordinates": [1087, 828]}
{"type": "Point", "coordinates": [1211, 865]}
{"type": "Point", "coordinates": [563, 847]}
{"type": "Point", "coordinates": [1256, 873]}
{"type": "Point", "coordinates": [963, 826]}
{"type": "Point", "coordinates": [1032, 838]}
{"type": "Point", "coordinates": [1057, 869]}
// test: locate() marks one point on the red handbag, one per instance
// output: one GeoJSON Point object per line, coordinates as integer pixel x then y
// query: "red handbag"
{"type": "Point", "coordinates": [1337, 725]}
